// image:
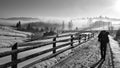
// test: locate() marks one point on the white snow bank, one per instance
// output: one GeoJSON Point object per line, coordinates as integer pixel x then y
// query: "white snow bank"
{"type": "Point", "coordinates": [116, 51]}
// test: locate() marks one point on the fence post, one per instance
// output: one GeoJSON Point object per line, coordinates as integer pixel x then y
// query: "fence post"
{"type": "Point", "coordinates": [85, 37]}
{"type": "Point", "coordinates": [54, 45]}
{"type": "Point", "coordinates": [88, 36]}
{"type": "Point", "coordinates": [71, 40]}
{"type": "Point", "coordinates": [79, 38]}
{"type": "Point", "coordinates": [93, 35]}
{"type": "Point", "coordinates": [14, 56]}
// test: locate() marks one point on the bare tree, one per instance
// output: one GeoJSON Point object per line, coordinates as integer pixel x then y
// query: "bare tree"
{"type": "Point", "coordinates": [70, 25]}
{"type": "Point", "coordinates": [18, 25]}
{"type": "Point", "coordinates": [63, 25]}
{"type": "Point", "coordinates": [29, 27]}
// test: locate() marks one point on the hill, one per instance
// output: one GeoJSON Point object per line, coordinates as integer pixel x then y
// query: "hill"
{"type": "Point", "coordinates": [9, 36]}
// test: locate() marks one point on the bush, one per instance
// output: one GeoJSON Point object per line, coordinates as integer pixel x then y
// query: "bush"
{"type": "Point", "coordinates": [49, 33]}
{"type": "Point", "coordinates": [117, 35]}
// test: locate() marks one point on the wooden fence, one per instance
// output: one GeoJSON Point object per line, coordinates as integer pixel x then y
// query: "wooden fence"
{"type": "Point", "coordinates": [29, 46]}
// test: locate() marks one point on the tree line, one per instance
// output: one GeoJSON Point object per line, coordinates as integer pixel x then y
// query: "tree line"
{"type": "Point", "coordinates": [34, 27]}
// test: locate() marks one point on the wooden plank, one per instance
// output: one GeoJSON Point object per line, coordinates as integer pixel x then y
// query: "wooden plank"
{"type": "Point", "coordinates": [47, 57]}
{"type": "Point", "coordinates": [36, 43]}
{"type": "Point", "coordinates": [31, 56]}
{"type": "Point", "coordinates": [50, 37]}
{"type": "Point", "coordinates": [6, 53]}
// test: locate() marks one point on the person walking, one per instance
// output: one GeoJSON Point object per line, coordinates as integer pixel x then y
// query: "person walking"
{"type": "Point", "coordinates": [104, 40]}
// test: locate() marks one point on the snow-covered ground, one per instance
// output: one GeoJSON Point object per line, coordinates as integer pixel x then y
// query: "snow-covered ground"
{"type": "Point", "coordinates": [116, 52]}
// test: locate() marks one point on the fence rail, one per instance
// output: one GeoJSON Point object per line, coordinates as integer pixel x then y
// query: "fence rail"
{"type": "Point", "coordinates": [70, 42]}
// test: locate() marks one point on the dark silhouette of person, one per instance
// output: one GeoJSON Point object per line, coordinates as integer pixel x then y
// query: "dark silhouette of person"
{"type": "Point", "coordinates": [104, 40]}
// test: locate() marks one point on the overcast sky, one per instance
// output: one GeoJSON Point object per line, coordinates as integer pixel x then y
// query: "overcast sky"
{"type": "Point", "coordinates": [59, 8]}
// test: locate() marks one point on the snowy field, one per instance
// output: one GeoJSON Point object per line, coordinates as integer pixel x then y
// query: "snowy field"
{"type": "Point", "coordinates": [9, 36]}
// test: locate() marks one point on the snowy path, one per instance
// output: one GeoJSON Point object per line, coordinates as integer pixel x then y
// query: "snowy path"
{"type": "Point", "coordinates": [82, 56]}
{"type": "Point", "coordinates": [116, 52]}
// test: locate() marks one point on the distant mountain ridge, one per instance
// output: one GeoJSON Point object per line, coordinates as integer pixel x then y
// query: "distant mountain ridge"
{"type": "Point", "coordinates": [35, 18]}
{"type": "Point", "coordinates": [20, 18]}
{"type": "Point", "coordinates": [96, 22]}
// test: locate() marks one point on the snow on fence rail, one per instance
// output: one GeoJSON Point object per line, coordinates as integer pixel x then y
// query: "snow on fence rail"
{"type": "Point", "coordinates": [15, 51]}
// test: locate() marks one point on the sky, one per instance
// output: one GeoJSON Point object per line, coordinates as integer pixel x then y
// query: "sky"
{"type": "Point", "coordinates": [59, 8]}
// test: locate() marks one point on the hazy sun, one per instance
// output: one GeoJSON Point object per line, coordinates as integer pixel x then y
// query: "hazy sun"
{"type": "Point", "coordinates": [117, 6]}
